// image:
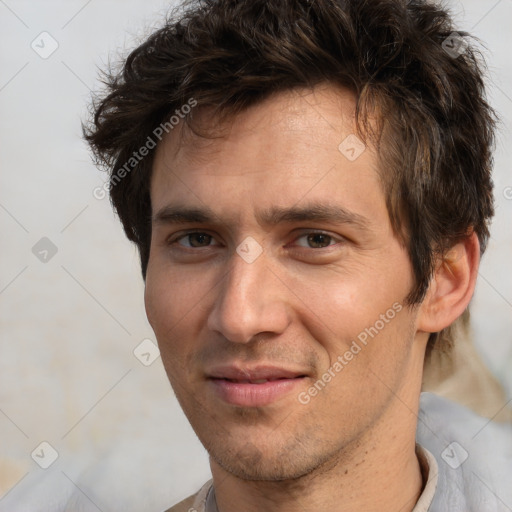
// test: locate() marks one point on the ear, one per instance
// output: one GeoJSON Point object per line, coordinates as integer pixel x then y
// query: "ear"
{"type": "Point", "coordinates": [451, 286]}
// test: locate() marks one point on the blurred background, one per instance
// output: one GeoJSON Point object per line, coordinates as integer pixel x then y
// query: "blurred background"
{"type": "Point", "coordinates": [82, 389]}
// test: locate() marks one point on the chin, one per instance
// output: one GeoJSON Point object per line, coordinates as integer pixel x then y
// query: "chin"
{"type": "Point", "coordinates": [270, 464]}
{"type": "Point", "coordinates": [263, 471]}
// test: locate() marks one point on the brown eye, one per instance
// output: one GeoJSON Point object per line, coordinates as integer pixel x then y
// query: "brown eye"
{"type": "Point", "coordinates": [315, 240]}
{"type": "Point", "coordinates": [196, 240]}
{"type": "Point", "coordinates": [319, 240]}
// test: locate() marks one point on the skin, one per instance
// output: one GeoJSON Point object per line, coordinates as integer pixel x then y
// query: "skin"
{"type": "Point", "coordinates": [299, 305]}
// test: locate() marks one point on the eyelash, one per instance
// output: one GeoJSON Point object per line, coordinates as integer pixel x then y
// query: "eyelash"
{"type": "Point", "coordinates": [174, 240]}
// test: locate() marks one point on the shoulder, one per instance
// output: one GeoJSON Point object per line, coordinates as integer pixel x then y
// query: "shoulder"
{"type": "Point", "coordinates": [194, 503]}
{"type": "Point", "coordinates": [474, 455]}
{"type": "Point", "coordinates": [184, 506]}
{"type": "Point", "coordinates": [442, 421]}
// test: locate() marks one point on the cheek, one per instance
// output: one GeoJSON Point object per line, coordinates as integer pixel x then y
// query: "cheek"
{"type": "Point", "coordinates": [155, 298]}
{"type": "Point", "coordinates": [343, 303]}
{"type": "Point", "coordinates": [171, 293]}
{"type": "Point", "coordinates": [164, 305]}
{"type": "Point", "coordinates": [360, 317]}
{"type": "Point", "coordinates": [176, 304]}
{"type": "Point", "coordinates": [367, 362]}
{"type": "Point", "coordinates": [164, 310]}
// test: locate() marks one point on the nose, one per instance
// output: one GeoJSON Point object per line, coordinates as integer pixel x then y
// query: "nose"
{"type": "Point", "coordinates": [251, 300]}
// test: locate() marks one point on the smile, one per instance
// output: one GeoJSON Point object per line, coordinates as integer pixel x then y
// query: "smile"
{"type": "Point", "coordinates": [254, 393]}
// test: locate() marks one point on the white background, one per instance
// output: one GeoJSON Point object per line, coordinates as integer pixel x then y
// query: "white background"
{"type": "Point", "coordinates": [68, 375]}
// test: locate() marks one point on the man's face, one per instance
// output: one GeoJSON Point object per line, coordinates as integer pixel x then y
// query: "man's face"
{"type": "Point", "coordinates": [247, 326]}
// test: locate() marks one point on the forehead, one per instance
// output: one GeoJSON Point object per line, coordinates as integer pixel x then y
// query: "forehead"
{"type": "Point", "coordinates": [289, 148]}
{"type": "Point", "coordinates": [306, 113]}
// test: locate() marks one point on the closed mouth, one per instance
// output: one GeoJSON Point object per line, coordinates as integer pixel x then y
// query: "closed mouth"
{"type": "Point", "coordinates": [257, 381]}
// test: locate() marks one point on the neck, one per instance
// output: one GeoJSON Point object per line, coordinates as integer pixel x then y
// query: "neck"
{"type": "Point", "coordinates": [379, 472]}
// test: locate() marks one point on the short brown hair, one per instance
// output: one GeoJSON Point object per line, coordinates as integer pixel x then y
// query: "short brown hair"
{"type": "Point", "coordinates": [436, 129]}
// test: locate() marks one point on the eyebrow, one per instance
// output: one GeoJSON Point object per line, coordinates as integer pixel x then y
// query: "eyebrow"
{"type": "Point", "coordinates": [183, 215]}
{"type": "Point", "coordinates": [319, 212]}
{"type": "Point", "coordinates": [312, 212]}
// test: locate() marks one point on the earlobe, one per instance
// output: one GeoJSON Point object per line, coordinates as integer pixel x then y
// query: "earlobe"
{"type": "Point", "coordinates": [451, 286]}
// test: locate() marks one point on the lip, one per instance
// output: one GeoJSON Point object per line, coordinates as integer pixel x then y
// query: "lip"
{"type": "Point", "coordinates": [235, 384]}
{"type": "Point", "coordinates": [241, 373]}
